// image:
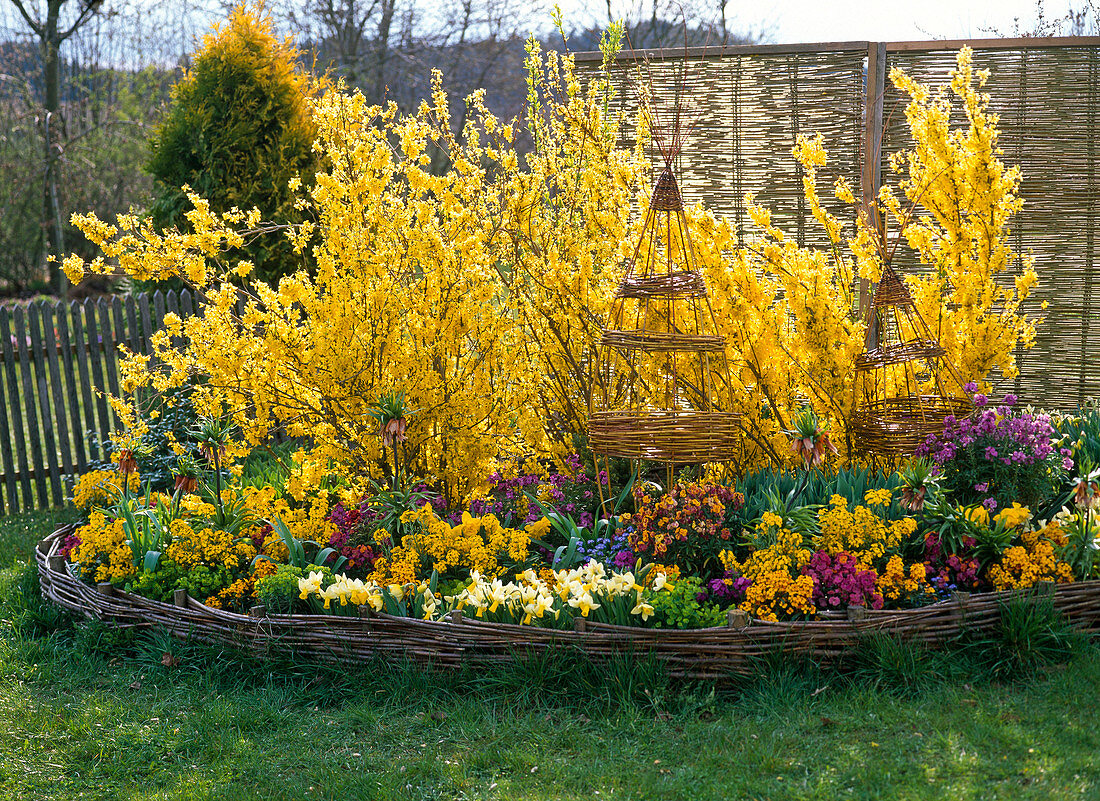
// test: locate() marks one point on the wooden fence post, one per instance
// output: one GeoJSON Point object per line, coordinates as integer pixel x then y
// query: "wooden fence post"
{"type": "Point", "coordinates": [13, 432]}
{"type": "Point", "coordinates": [58, 360]}
{"type": "Point", "coordinates": [49, 495]}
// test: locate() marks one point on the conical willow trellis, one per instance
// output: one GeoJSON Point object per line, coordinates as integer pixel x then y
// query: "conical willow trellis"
{"type": "Point", "coordinates": [663, 389]}
{"type": "Point", "coordinates": [902, 395]}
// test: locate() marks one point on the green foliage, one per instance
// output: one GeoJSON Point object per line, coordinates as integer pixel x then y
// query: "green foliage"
{"type": "Point", "coordinates": [1033, 634]}
{"type": "Point", "coordinates": [20, 533]}
{"type": "Point", "coordinates": [1081, 527]}
{"type": "Point", "coordinates": [145, 526]}
{"type": "Point", "coordinates": [171, 419]}
{"type": "Point", "coordinates": [100, 640]}
{"type": "Point", "coordinates": [280, 594]}
{"type": "Point", "coordinates": [899, 667]}
{"type": "Point", "coordinates": [238, 131]}
{"type": "Point", "coordinates": [387, 506]}
{"type": "Point", "coordinates": [231, 515]}
{"type": "Point", "coordinates": [22, 603]}
{"type": "Point", "coordinates": [622, 680]}
{"type": "Point", "coordinates": [784, 683]}
{"type": "Point", "coordinates": [200, 581]}
{"type": "Point", "coordinates": [279, 591]}
{"type": "Point", "coordinates": [1081, 432]}
{"type": "Point", "coordinates": [212, 722]}
{"type": "Point", "coordinates": [267, 467]}
{"type": "Point", "coordinates": [954, 524]}
{"type": "Point", "coordinates": [103, 142]}
{"type": "Point", "coordinates": [679, 608]}
{"type": "Point", "coordinates": [305, 554]}
{"type": "Point", "coordinates": [814, 488]}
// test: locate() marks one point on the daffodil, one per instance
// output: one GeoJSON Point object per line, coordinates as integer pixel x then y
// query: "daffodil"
{"type": "Point", "coordinates": [643, 609]}
{"type": "Point", "coordinates": [584, 603]}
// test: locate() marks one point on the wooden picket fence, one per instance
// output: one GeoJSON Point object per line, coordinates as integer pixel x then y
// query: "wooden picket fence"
{"type": "Point", "coordinates": [58, 362]}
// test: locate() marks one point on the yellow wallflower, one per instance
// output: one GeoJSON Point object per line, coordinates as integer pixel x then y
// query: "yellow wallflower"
{"type": "Point", "coordinates": [1034, 561]}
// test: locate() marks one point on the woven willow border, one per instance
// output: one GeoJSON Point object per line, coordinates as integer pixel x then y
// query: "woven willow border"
{"type": "Point", "coordinates": [715, 653]}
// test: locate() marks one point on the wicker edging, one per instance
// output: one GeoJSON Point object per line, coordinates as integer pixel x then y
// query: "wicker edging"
{"type": "Point", "coordinates": [700, 653]}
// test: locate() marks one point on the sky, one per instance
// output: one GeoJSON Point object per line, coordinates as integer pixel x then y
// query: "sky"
{"type": "Point", "coordinates": [791, 21]}
{"type": "Point", "coordinates": [890, 20]}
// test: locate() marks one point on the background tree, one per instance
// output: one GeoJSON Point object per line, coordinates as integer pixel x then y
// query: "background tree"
{"type": "Point", "coordinates": [1079, 20]}
{"type": "Point", "coordinates": [52, 23]}
{"type": "Point", "coordinates": [388, 48]}
{"type": "Point", "coordinates": [238, 130]}
{"type": "Point", "coordinates": [107, 97]}
{"type": "Point", "coordinates": [673, 23]}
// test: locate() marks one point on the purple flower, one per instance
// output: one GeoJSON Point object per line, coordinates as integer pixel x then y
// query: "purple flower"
{"type": "Point", "coordinates": [838, 581]}
{"type": "Point", "coordinates": [1067, 463]}
{"type": "Point", "coordinates": [728, 590]}
{"type": "Point", "coordinates": [971, 387]}
{"type": "Point", "coordinates": [1010, 399]}
{"type": "Point", "coordinates": [980, 400]}
{"type": "Point", "coordinates": [624, 559]}
{"type": "Point", "coordinates": [990, 504]}
{"type": "Point", "coordinates": [983, 487]}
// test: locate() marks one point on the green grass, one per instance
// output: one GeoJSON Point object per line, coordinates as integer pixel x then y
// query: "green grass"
{"type": "Point", "coordinates": [84, 713]}
{"type": "Point", "coordinates": [20, 533]}
{"type": "Point", "coordinates": [87, 711]}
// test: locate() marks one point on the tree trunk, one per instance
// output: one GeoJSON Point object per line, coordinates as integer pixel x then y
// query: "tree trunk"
{"type": "Point", "coordinates": [50, 43]}
{"type": "Point", "coordinates": [383, 45]}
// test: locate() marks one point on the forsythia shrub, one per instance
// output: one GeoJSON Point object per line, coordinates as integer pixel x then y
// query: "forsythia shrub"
{"type": "Point", "coordinates": [461, 289]}
{"type": "Point", "coordinates": [479, 291]}
{"type": "Point", "coordinates": [788, 311]}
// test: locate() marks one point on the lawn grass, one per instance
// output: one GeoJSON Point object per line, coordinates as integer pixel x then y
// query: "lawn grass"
{"type": "Point", "coordinates": [89, 712]}
{"type": "Point", "coordinates": [21, 532]}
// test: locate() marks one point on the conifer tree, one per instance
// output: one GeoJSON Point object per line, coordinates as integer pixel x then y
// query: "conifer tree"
{"type": "Point", "coordinates": [238, 130]}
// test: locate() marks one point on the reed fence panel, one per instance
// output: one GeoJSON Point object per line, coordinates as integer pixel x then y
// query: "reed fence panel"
{"type": "Point", "coordinates": [747, 104]}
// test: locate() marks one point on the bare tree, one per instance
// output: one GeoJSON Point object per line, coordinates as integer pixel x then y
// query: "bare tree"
{"type": "Point", "coordinates": [52, 22]}
{"type": "Point", "coordinates": [387, 48]}
{"type": "Point", "coordinates": [674, 23]}
{"type": "Point", "coordinates": [74, 140]}
{"type": "Point", "coordinates": [1083, 20]}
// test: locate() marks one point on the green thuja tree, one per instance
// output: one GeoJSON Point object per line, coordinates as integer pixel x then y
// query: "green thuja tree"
{"type": "Point", "coordinates": [237, 131]}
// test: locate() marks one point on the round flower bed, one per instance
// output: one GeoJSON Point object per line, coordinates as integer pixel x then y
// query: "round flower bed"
{"type": "Point", "coordinates": [708, 653]}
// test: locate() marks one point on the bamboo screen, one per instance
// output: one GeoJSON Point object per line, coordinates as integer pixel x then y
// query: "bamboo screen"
{"type": "Point", "coordinates": [1047, 99]}
{"type": "Point", "coordinates": [749, 103]}
{"type": "Point", "coordinates": [744, 110]}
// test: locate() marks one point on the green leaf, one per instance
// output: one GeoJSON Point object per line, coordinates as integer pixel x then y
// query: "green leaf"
{"type": "Point", "coordinates": [151, 560]}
